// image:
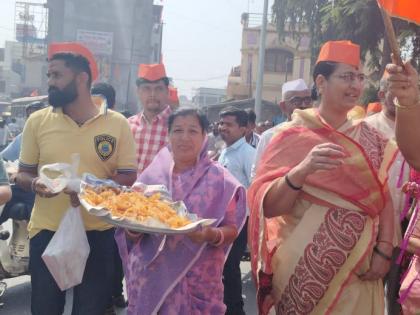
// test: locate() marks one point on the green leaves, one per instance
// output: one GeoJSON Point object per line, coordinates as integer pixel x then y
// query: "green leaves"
{"type": "Point", "coordinates": [356, 20]}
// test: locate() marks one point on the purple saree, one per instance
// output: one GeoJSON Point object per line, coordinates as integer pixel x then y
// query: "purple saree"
{"type": "Point", "coordinates": [171, 274]}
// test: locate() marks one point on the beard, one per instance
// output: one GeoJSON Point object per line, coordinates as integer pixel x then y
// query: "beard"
{"type": "Point", "coordinates": [61, 98]}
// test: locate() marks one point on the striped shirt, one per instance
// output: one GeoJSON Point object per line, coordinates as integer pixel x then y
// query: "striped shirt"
{"type": "Point", "coordinates": [149, 136]}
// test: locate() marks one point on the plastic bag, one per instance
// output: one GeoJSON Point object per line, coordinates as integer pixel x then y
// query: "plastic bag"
{"type": "Point", "coordinates": [66, 175]}
{"type": "Point", "coordinates": [68, 251]}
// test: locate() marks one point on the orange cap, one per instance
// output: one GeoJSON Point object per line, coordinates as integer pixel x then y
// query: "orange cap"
{"type": "Point", "coordinates": [173, 96]}
{"type": "Point", "coordinates": [343, 51]}
{"type": "Point", "coordinates": [152, 72]}
{"type": "Point", "coordinates": [374, 108]}
{"type": "Point", "coordinates": [77, 49]}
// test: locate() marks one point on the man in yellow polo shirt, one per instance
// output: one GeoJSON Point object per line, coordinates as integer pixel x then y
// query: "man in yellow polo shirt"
{"type": "Point", "coordinates": [74, 124]}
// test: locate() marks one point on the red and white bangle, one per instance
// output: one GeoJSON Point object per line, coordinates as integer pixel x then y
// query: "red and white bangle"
{"type": "Point", "coordinates": [220, 238]}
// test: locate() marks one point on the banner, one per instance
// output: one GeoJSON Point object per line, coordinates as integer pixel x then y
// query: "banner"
{"type": "Point", "coordinates": [100, 43]}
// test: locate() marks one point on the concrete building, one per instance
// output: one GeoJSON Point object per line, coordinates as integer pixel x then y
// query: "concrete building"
{"type": "Point", "coordinates": [121, 34]}
{"type": "Point", "coordinates": [284, 60]}
{"type": "Point", "coordinates": [3, 78]}
{"type": "Point", "coordinates": [21, 75]}
{"type": "Point", "coordinates": [208, 96]}
{"type": "Point", "coordinates": [269, 111]}
{"type": "Point", "coordinates": [185, 101]}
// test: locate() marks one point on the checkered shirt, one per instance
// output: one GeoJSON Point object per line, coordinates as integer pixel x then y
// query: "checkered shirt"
{"type": "Point", "coordinates": [149, 137]}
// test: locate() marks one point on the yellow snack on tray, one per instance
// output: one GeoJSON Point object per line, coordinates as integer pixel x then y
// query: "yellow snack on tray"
{"type": "Point", "coordinates": [134, 206]}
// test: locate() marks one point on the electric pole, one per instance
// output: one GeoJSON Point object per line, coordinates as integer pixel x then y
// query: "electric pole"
{"type": "Point", "coordinates": [261, 62]}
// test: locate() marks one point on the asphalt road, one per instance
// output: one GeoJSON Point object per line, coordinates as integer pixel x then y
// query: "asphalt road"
{"type": "Point", "coordinates": [16, 300]}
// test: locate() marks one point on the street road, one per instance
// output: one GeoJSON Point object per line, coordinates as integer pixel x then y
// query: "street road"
{"type": "Point", "coordinates": [18, 295]}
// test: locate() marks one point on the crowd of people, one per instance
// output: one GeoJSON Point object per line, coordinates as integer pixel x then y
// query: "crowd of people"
{"type": "Point", "coordinates": [316, 201]}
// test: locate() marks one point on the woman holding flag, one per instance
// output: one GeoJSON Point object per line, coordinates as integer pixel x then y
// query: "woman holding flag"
{"type": "Point", "coordinates": [321, 222]}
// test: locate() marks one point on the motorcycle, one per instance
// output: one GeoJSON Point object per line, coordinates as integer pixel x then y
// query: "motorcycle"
{"type": "Point", "coordinates": [14, 253]}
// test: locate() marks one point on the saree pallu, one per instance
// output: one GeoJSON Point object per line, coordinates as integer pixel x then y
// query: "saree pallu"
{"type": "Point", "coordinates": [308, 261]}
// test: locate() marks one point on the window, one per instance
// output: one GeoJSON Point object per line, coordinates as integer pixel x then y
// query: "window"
{"type": "Point", "coordinates": [277, 60]}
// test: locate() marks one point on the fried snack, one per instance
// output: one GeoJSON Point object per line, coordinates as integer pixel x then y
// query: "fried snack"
{"type": "Point", "coordinates": [134, 206]}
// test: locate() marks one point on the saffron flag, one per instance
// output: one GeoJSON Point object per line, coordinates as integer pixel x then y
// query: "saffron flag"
{"type": "Point", "coordinates": [408, 10]}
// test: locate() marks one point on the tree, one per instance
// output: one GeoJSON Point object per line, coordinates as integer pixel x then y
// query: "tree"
{"type": "Point", "coordinates": [357, 20]}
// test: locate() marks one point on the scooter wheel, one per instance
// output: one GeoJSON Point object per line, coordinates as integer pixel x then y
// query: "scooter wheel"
{"type": "Point", "coordinates": [4, 235]}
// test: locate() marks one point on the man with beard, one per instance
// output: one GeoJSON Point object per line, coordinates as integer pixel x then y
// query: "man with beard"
{"type": "Point", "coordinates": [74, 124]}
{"type": "Point", "coordinates": [150, 126]}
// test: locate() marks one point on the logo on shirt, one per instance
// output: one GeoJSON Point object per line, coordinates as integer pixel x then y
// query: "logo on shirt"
{"type": "Point", "coordinates": [105, 146]}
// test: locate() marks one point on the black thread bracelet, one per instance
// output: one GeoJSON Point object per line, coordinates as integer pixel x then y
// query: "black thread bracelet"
{"type": "Point", "coordinates": [289, 183]}
{"type": "Point", "coordinates": [383, 255]}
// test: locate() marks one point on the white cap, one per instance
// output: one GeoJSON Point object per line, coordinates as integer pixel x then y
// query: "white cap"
{"type": "Point", "coordinates": [295, 85]}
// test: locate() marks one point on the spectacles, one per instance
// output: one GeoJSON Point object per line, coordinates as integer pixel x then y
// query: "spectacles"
{"type": "Point", "coordinates": [298, 101]}
{"type": "Point", "coordinates": [350, 77]}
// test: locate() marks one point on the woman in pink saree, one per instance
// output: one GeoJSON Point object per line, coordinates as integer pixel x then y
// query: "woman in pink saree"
{"type": "Point", "coordinates": [321, 223]}
{"type": "Point", "coordinates": [183, 274]}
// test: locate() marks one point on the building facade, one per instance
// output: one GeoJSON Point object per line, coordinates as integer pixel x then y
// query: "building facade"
{"type": "Point", "coordinates": [284, 61]}
{"type": "Point", "coordinates": [270, 111]}
{"type": "Point", "coordinates": [21, 75]}
{"type": "Point", "coordinates": [121, 34]}
{"type": "Point", "coordinates": [208, 96]}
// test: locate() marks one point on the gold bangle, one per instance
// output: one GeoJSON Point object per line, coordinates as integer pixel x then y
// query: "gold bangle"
{"type": "Point", "coordinates": [405, 107]}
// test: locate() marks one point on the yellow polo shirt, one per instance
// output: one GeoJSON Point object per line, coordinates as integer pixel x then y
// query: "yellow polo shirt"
{"type": "Point", "coordinates": [105, 144]}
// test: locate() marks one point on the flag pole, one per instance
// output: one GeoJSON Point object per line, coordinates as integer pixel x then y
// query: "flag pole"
{"type": "Point", "coordinates": [392, 38]}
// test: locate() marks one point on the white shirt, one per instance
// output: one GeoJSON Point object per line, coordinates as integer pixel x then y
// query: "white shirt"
{"type": "Point", "coordinates": [398, 169]}
{"type": "Point", "coordinates": [265, 139]}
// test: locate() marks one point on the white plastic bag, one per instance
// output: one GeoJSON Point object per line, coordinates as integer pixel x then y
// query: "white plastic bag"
{"type": "Point", "coordinates": [68, 251]}
{"type": "Point", "coordinates": [66, 175]}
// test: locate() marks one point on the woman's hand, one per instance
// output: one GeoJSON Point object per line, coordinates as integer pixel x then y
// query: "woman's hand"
{"type": "Point", "coordinates": [403, 83]}
{"type": "Point", "coordinates": [206, 234]}
{"type": "Point", "coordinates": [325, 156]}
{"type": "Point", "coordinates": [379, 266]}
{"type": "Point", "coordinates": [133, 236]}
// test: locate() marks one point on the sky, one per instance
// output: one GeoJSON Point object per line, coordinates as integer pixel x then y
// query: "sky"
{"type": "Point", "coordinates": [201, 38]}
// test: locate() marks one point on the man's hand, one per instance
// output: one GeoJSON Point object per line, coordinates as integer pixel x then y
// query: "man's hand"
{"type": "Point", "coordinates": [41, 190]}
{"type": "Point", "coordinates": [74, 198]}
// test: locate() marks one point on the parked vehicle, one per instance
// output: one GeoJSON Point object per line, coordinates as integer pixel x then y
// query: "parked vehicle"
{"type": "Point", "coordinates": [14, 246]}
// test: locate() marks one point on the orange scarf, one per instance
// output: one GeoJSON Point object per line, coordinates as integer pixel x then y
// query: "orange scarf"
{"type": "Point", "coordinates": [357, 181]}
